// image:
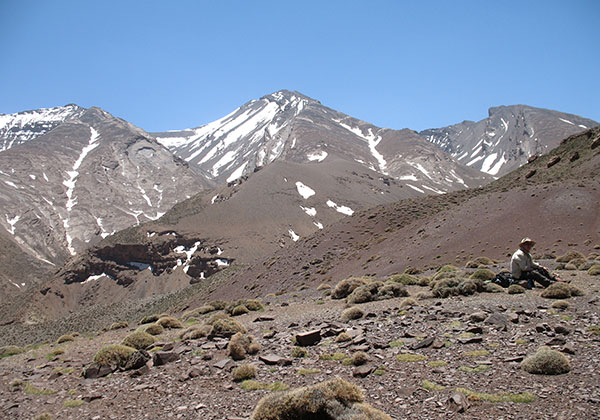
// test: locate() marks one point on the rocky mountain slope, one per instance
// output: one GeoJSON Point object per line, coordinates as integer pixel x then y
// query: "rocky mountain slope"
{"type": "Point", "coordinates": [507, 138]}
{"type": "Point", "coordinates": [554, 199]}
{"type": "Point", "coordinates": [288, 126]}
{"type": "Point", "coordinates": [88, 177]}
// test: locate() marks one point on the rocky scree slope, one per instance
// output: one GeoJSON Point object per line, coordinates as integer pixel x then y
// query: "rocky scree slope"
{"type": "Point", "coordinates": [86, 178]}
{"type": "Point", "coordinates": [507, 138]}
{"type": "Point", "coordinates": [555, 199]}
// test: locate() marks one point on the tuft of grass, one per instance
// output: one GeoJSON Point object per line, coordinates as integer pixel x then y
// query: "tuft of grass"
{"type": "Point", "coordinates": [524, 397]}
{"type": "Point", "coordinates": [118, 325]}
{"type": "Point", "coordinates": [169, 322]}
{"type": "Point", "coordinates": [343, 337]}
{"type": "Point", "coordinates": [546, 362]}
{"type": "Point", "coordinates": [334, 356]}
{"type": "Point", "coordinates": [411, 357]}
{"type": "Point", "coordinates": [148, 319]}
{"type": "Point", "coordinates": [32, 390]}
{"type": "Point", "coordinates": [396, 343]}
{"type": "Point", "coordinates": [54, 354]}
{"type": "Point", "coordinates": [240, 310]}
{"type": "Point", "coordinates": [252, 385]}
{"type": "Point", "coordinates": [8, 351]}
{"type": "Point", "coordinates": [299, 352]}
{"type": "Point", "coordinates": [477, 353]}
{"type": "Point", "coordinates": [379, 371]}
{"type": "Point", "coordinates": [594, 329]}
{"type": "Point", "coordinates": [352, 313]}
{"type": "Point", "coordinates": [437, 363]}
{"type": "Point", "coordinates": [65, 338]}
{"type": "Point", "coordinates": [44, 416]}
{"type": "Point", "coordinates": [113, 355]}
{"type": "Point", "coordinates": [432, 386]}
{"type": "Point", "coordinates": [154, 329]}
{"type": "Point", "coordinates": [138, 340]}
{"type": "Point", "coordinates": [483, 274]}
{"type": "Point", "coordinates": [73, 403]}
{"type": "Point", "coordinates": [477, 369]}
{"type": "Point", "coordinates": [594, 270]}
{"type": "Point", "coordinates": [244, 372]}
{"type": "Point", "coordinates": [515, 289]}
{"type": "Point", "coordinates": [307, 371]}
{"type": "Point", "coordinates": [560, 305]}
{"type": "Point", "coordinates": [226, 327]}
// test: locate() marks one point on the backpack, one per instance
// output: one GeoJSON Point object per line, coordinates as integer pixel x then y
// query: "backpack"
{"type": "Point", "coordinates": [504, 279]}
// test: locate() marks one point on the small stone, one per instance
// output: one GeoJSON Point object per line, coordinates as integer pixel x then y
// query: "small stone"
{"type": "Point", "coordinates": [94, 372]}
{"type": "Point", "coordinates": [273, 359]}
{"type": "Point", "coordinates": [222, 364]}
{"type": "Point", "coordinates": [458, 402]}
{"type": "Point", "coordinates": [561, 329]}
{"type": "Point", "coordinates": [363, 371]}
{"type": "Point", "coordinates": [568, 349]}
{"type": "Point", "coordinates": [423, 343]}
{"type": "Point", "coordinates": [557, 341]}
{"type": "Point", "coordinates": [498, 320]}
{"type": "Point", "coordinates": [163, 357]}
{"type": "Point", "coordinates": [470, 340]}
{"type": "Point", "coordinates": [478, 316]}
{"type": "Point", "coordinates": [475, 330]}
{"type": "Point", "coordinates": [264, 318]}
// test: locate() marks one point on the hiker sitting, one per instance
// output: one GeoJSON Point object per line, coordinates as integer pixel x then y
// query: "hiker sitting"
{"type": "Point", "coordinates": [523, 267]}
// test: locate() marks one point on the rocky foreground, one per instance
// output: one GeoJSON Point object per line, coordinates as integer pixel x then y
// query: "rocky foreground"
{"type": "Point", "coordinates": [425, 358]}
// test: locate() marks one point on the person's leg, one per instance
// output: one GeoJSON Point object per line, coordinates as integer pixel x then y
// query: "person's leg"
{"type": "Point", "coordinates": [540, 278]}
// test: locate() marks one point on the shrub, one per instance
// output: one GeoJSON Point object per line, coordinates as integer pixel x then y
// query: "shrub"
{"type": "Point", "coordinates": [118, 325]}
{"type": "Point", "coordinates": [515, 289]}
{"type": "Point", "coordinates": [478, 262]}
{"type": "Point", "coordinates": [391, 290]}
{"type": "Point", "coordinates": [359, 358]}
{"type": "Point", "coordinates": [424, 281]}
{"type": "Point", "coordinates": [138, 340]}
{"type": "Point", "coordinates": [254, 305]}
{"type": "Point", "coordinates": [483, 274]}
{"type": "Point", "coordinates": [570, 255]}
{"type": "Point", "coordinates": [493, 288]}
{"type": "Point", "coordinates": [226, 327]}
{"type": "Point", "coordinates": [204, 309]}
{"type": "Point", "coordinates": [252, 385]}
{"type": "Point", "coordinates": [365, 293]}
{"type": "Point", "coordinates": [408, 302]}
{"type": "Point", "coordinates": [557, 291]}
{"type": "Point", "coordinates": [470, 287]}
{"type": "Point", "coordinates": [405, 279]}
{"type": "Point", "coordinates": [324, 286]}
{"type": "Point", "coordinates": [242, 344]}
{"type": "Point", "coordinates": [219, 305]}
{"type": "Point", "coordinates": [195, 332]}
{"type": "Point", "coordinates": [154, 329]}
{"type": "Point", "coordinates": [65, 338]}
{"type": "Point", "coordinates": [352, 313]}
{"type": "Point", "coordinates": [546, 362]}
{"type": "Point", "coordinates": [240, 310]}
{"type": "Point", "coordinates": [347, 286]}
{"type": "Point", "coordinates": [148, 319]}
{"type": "Point", "coordinates": [113, 355]}
{"type": "Point", "coordinates": [44, 416]}
{"type": "Point", "coordinates": [73, 403]}
{"type": "Point", "coordinates": [334, 399]}
{"type": "Point", "coordinates": [446, 271]}
{"type": "Point", "coordinates": [412, 270]}
{"type": "Point", "coordinates": [244, 372]}
{"type": "Point", "coordinates": [7, 351]}
{"type": "Point", "coordinates": [299, 352]}
{"type": "Point", "coordinates": [169, 322]}
{"type": "Point", "coordinates": [560, 304]}
{"type": "Point", "coordinates": [575, 291]}
{"type": "Point", "coordinates": [594, 270]}
{"type": "Point", "coordinates": [343, 337]}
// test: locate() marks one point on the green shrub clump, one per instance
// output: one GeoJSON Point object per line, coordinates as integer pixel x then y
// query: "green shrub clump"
{"type": "Point", "coordinates": [334, 399]}
{"type": "Point", "coordinates": [139, 340]}
{"type": "Point", "coordinates": [169, 322]}
{"type": "Point", "coordinates": [113, 355]}
{"type": "Point", "coordinates": [546, 362]}
{"type": "Point", "coordinates": [244, 372]}
{"type": "Point", "coordinates": [196, 331]}
{"type": "Point", "coordinates": [299, 352]}
{"type": "Point", "coordinates": [347, 286]}
{"type": "Point", "coordinates": [515, 289]}
{"type": "Point", "coordinates": [118, 325]}
{"type": "Point", "coordinates": [8, 351]}
{"type": "Point", "coordinates": [242, 344]}
{"type": "Point", "coordinates": [594, 270]}
{"type": "Point", "coordinates": [226, 327]}
{"type": "Point", "coordinates": [559, 290]}
{"type": "Point", "coordinates": [570, 255]}
{"type": "Point", "coordinates": [65, 338]}
{"type": "Point", "coordinates": [405, 279]}
{"type": "Point", "coordinates": [154, 329]}
{"type": "Point", "coordinates": [483, 274]}
{"type": "Point", "coordinates": [148, 319]}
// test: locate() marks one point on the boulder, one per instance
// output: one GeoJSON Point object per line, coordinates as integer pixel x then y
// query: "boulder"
{"type": "Point", "coordinates": [309, 338]}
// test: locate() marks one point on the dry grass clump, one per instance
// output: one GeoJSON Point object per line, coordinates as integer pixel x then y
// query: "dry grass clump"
{"type": "Point", "coordinates": [240, 345]}
{"type": "Point", "coordinates": [118, 325]}
{"type": "Point", "coordinates": [352, 313]}
{"type": "Point", "coordinates": [515, 289]}
{"type": "Point", "coordinates": [408, 302]}
{"type": "Point", "coordinates": [376, 290]}
{"type": "Point", "coordinates": [560, 305]}
{"type": "Point", "coordinates": [343, 337]}
{"type": "Point", "coordinates": [405, 279]}
{"type": "Point", "coordinates": [334, 399]}
{"type": "Point", "coordinates": [324, 286]}
{"type": "Point", "coordinates": [244, 372]}
{"type": "Point", "coordinates": [560, 290]}
{"type": "Point", "coordinates": [139, 340]}
{"type": "Point", "coordinates": [570, 255]}
{"type": "Point", "coordinates": [7, 351]}
{"type": "Point", "coordinates": [240, 310]}
{"type": "Point", "coordinates": [359, 358]}
{"type": "Point", "coordinates": [594, 270]}
{"type": "Point", "coordinates": [226, 327]}
{"type": "Point", "coordinates": [201, 310]}
{"type": "Point", "coordinates": [148, 319]}
{"type": "Point", "coordinates": [169, 322]}
{"type": "Point", "coordinates": [154, 329]}
{"type": "Point", "coordinates": [219, 305]}
{"type": "Point", "coordinates": [492, 288]}
{"type": "Point", "coordinates": [113, 355]}
{"type": "Point", "coordinates": [196, 331]}
{"type": "Point", "coordinates": [299, 352]}
{"type": "Point", "coordinates": [454, 286]}
{"type": "Point", "coordinates": [347, 286]}
{"type": "Point", "coordinates": [483, 274]}
{"type": "Point", "coordinates": [65, 338]}
{"type": "Point", "coordinates": [44, 416]}
{"type": "Point", "coordinates": [546, 362]}
{"type": "Point", "coordinates": [479, 262]}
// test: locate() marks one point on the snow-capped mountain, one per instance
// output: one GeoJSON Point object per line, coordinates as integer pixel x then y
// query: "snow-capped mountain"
{"type": "Point", "coordinates": [18, 128]}
{"type": "Point", "coordinates": [292, 127]}
{"type": "Point", "coordinates": [507, 138]}
{"type": "Point", "coordinates": [88, 177]}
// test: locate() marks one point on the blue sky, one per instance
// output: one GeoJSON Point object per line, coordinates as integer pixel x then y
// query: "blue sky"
{"type": "Point", "coordinates": [419, 64]}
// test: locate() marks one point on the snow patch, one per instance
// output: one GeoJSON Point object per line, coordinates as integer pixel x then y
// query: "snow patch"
{"type": "Point", "coordinates": [408, 178]}
{"type": "Point", "coordinates": [317, 156]}
{"type": "Point", "coordinates": [237, 173]}
{"type": "Point", "coordinates": [96, 277]}
{"type": "Point", "coordinates": [12, 184]}
{"type": "Point", "coordinates": [340, 209]}
{"type": "Point", "coordinates": [12, 222]}
{"type": "Point", "coordinates": [311, 211]}
{"type": "Point", "coordinates": [293, 235]}
{"type": "Point", "coordinates": [304, 190]}
{"type": "Point", "coordinates": [416, 189]}
{"type": "Point", "coordinates": [566, 121]}
{"type": "Point", "coordinates": [318, 225]}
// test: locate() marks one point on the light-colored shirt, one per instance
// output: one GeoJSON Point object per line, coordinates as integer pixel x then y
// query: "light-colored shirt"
{"type": "Point", "coordinates": [521, 261]}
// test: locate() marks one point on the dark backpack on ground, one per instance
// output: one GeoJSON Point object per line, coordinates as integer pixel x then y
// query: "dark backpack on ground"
{"type": "Point", "coordinates": [504, 279]}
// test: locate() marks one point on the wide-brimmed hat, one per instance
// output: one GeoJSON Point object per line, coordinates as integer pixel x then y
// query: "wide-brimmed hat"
{"type": "Point", "coordinates": [527, 241]}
